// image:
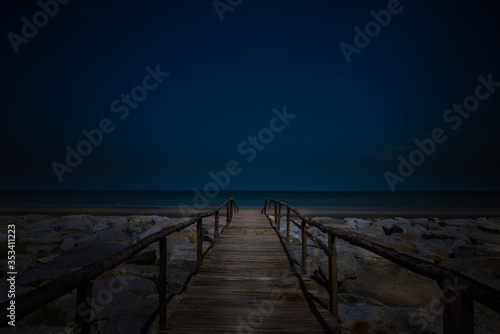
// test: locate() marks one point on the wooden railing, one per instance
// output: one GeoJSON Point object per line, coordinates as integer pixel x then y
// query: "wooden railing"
{"type": "Point", "coordinates": [82, 278]}
{"type": "Point", "coordinates": [459, 290]}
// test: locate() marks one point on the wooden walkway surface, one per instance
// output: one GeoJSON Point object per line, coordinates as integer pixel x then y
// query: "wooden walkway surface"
{"type": "Point", "coordinates": [248, 285]}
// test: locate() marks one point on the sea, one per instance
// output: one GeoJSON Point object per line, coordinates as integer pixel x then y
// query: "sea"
{"type": "Point", "coordinates": [312, 199]}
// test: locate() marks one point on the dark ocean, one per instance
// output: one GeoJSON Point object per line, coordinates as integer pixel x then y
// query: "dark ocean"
{"type": "Point", "coordinates": [331, 199]}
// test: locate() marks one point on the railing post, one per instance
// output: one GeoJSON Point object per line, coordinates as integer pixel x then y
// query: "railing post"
{"type": "Point", "coordinates": [228, 218]}
{"type": "Point", "coordinates": [199, 242]}
{"type": "Point", "coordinates": [458, 314]}
{"type": "Point", "coordinates": [84, 311]}
{"type": "Point", "coordinates": [288, 226]}
{"type": "Point", "coordinates": [332, 273]}
{"type": "Point", "coordinates": [269, 208]}
{"type": "Point", "coordinates": [230, 211]}
{"type": "Point", "coordinates": [216, 227]}
{"type": "Point", "coordinates": [304, 246]}
{"type": "Point", "coordinates": [275, 212]}
{"type": "Point", "coordinates": [163, 283]}
{"type": "Point", "coordinates": [279, 217]}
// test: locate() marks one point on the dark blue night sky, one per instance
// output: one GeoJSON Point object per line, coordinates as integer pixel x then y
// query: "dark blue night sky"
{"type": "Point", "coordinates": [352, 120]}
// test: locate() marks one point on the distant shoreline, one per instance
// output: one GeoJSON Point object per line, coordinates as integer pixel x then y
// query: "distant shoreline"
{"type": "Point", "coordinates": [174, 212]}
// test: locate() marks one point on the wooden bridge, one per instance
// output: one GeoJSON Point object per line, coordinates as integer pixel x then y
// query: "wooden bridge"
{"type": "Point", "coordinates": [249, 283]}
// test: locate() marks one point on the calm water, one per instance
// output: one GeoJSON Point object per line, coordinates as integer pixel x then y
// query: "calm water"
{"type": "Point", "coordinates": [335, 199]}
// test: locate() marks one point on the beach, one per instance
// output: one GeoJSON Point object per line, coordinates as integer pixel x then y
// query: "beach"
{"type": "Point", "coordinates": [177, 212]}
{"type": "Point", "coordinates": [52, 241]}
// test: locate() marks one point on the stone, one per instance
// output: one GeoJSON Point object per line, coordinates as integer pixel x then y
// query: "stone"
{"type": "Point", "coordinates": [84, 255]}
{"type": "Point", "coordinates": [445, 235]}
{"type": "Point", "coordinates": [468, 251]}
{"type": "Point", "coordinates": [347, 266]}
{"type": "Point", "coordinates": [352, 222]}
{"type": "Point", "coordinates": [149, 232]}
{"type": "Point", "coordinates": [391, 284]}
{"type": "Point", "coordinates": [365, 318]}
{"type": "Point", "coordinates": [434, 250]}
{"type": "Point", "coordinates": [145, 257]}
{"type": "Point", "coordinates": [76, 225]}
{"type": "Point", "coordinates": [67, 244]}
{"type": "Point", "coordinates": [99, 227]}
{"type": "Point", "coordinates": [484, 238]}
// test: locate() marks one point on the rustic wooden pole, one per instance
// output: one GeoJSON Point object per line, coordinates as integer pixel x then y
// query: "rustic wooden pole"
{"type": "Point", "coordinates": [199, 242]}
{"type": "Point", "coordinates": [304, 246]}
{"type": "Point", "coordinates": [288, 226]}
{"type": "Point", "coordinates": [230, 211]}
{"type": "Point", "coordinates": [228, 219]}
{"type": "Point", "coordinates": [163, 283]}
{"type": "Point", "coordinates": [332, 273]}
{"type": "Point", "coordinates": [84, 307]}
{"type": "Point", "coordinates": [279, 217]}
{"type": "Point", "coordinates": [458, 314]}
{"type": "Point", "coordinates": [276, 212]}
{"type": "Point", "coordinates": [269, 209]}
{"type": "Point", "coordinates": [216, 227]}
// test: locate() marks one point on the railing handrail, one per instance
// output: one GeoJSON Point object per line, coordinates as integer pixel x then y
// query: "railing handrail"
{"type": "Point", "coordinates": [209, 213]}
{"type": "Point", "coordinates": [471, 288]}
{"type": "Point", "coordinates": [34, 299]}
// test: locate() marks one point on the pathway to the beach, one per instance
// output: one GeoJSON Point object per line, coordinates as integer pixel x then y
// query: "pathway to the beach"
{"type": "Point", "coordinates": [248, 284]}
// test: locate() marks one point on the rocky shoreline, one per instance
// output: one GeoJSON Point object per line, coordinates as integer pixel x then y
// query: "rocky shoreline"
{"type": "Point", "coordinates": [374, 294]}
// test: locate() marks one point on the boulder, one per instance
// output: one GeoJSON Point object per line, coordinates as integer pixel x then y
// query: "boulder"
{"type": "Point", "coordinates": [468, 251]}
{"type": "Point", "coordinates": [67, 244]}
{"type": "Point", "coordinates": [365, 318]}
{"type": "Point", "coordinates": [149, 232]}
{"type": "Point", "coordinates": [145, 257]}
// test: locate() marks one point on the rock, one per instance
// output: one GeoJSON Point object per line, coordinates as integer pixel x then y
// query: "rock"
{"type": "Point", "coordinates": [434, 250]}
{"type": "Point", "coordinates": [445, 235]}
{"type": "Point", "coordinates": [386, 225]}
{"type": "Point", "coordinates": [398, 242]}
{"type": "Point", "coordinates": [409, 230]}
{"type": "Point", "coordinates": [99, 227]}
{"type": "Point", "coordinates": [84, 226]}
{"type": "Point", "coordinates": [158, 219]}
{"type": "Point", "coordinates": [347, 267]}
{"type": "Point", "coordinates": [352, 222]}
{"type": "Point", "coordinates": [357, 252]}
{"type": "Point", "coordinates": [374, 231]}
{"type": "Point", "coordinates": [111, 234]}
{"type": "Point", "coordinates": [391, 285]}
{"type": "Point", "coordinates": [84, 255]}
{"type": "Point", "coordinates": [137, 285]}
{"type": "Point", "coordinates": [67, 244]}
{"type": "Point", "coordinates": [467, 251]}
{"type": "Point", "coordinates": [177, 279]}
{"type": "Point", "coordinates": [484, 238]}
{"type": "Point", "coordinates": [111, 221]}
{"type": "Point", "coordinates": [483, 269]}
{"type": "Point", "coordinates": [364, 318]}
{"type": "Point", "coordinates": [147, 233]}
{"type": "Point", "coordinates": [145, 257]}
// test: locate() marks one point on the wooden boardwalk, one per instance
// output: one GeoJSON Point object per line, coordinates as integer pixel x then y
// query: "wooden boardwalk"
{"type": "Point", "coordinates": [247, 284]}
